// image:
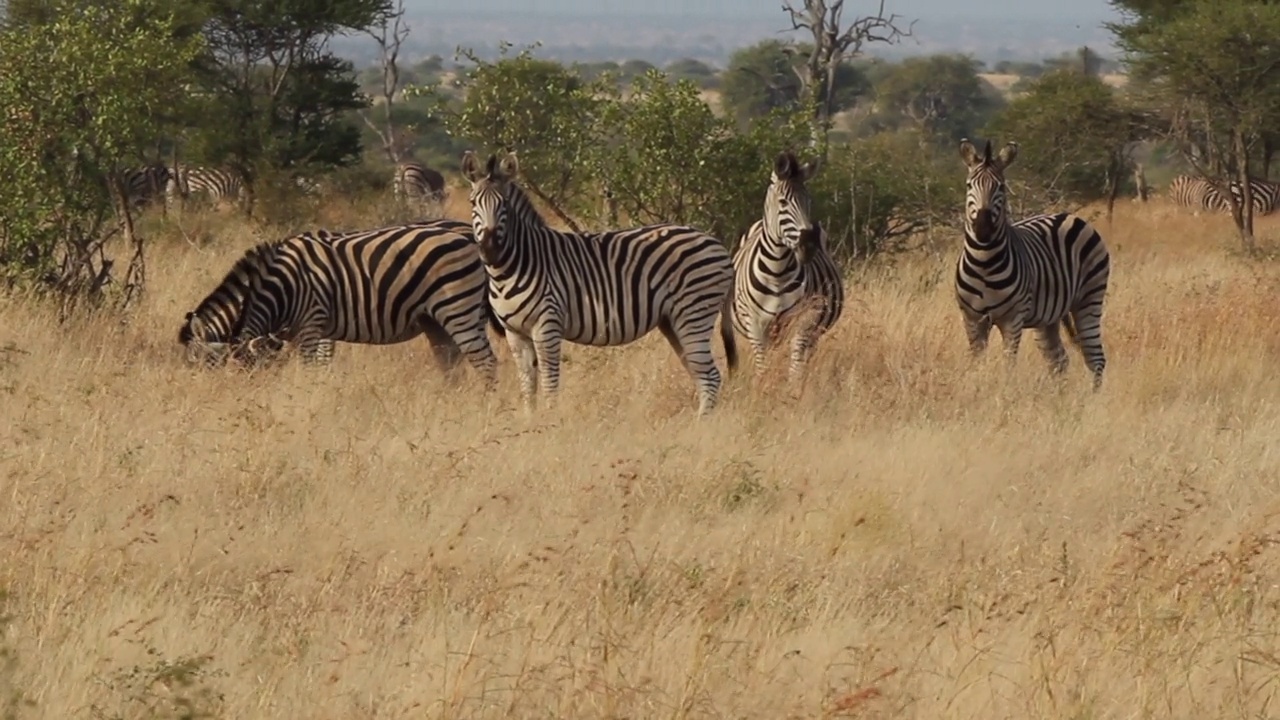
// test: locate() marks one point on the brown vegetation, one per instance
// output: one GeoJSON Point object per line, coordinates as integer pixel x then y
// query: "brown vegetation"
{"type": "Point", "coordinates": [915, 536]}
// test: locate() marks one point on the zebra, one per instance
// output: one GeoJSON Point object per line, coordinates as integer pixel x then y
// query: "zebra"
{"type": "Point", "coordinates": [377, 287]}
{"type": "Point", "coordinates": [1266, 195]}
{"type": "Point", "coordinates": [144, 185]}
{"type": "Point", "coordinates": [783, 271]}
{"type": "Point", "coordinates": [216, 184]}
{"type": "Point", "coordinates": [1199, 194]}
{"type": "Point", "coordinates": [1041, 272]}
{"type": "Point", "coordinates": [415, 181]}
{"type": "Point", "coordinates": [206, 330]}
{"type": "Point", "coordinates": [604, 289]}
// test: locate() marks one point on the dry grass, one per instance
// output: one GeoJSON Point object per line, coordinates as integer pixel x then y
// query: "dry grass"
{"type": "Point", "coordinates": [913, 537]}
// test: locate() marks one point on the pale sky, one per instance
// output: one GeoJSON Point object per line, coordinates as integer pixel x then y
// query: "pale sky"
{"type": "Point", "coordinates": [920, 9]}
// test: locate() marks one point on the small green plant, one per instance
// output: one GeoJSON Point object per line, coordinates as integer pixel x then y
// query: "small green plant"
{"type": "Point", "coordinates": [165, 689]}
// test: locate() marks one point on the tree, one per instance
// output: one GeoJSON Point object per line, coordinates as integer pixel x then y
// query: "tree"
{"type": "Point", "coordinates": [108, 80]}
{"type": "Point", "coordinates": [540, 109]}
{"type": "Point", "coordinates": [834, 43]}
{"type": "Point", "coordinates": [940, 95]}
{"type": "Point", "coordinates": [1213, 65]}
{"type": "Point", "coordinates": [1076, 137]}
{"type": "Point", "coordinates": [389, 34]}
{"type": "Point", "coordinates": [768, 76]}
{"type": "Point", "coordinates": [274, 97]}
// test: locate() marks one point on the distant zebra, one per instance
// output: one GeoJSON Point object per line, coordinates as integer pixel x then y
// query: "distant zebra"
{"type": "Point", "coordinates": [1266, 195]}
{"type": "Point", "coordinates": [604, 289]}
{"type": "Point", "coordinates": [206, 331]}
{"type": "Point", "coordinates": [784, 273]}
{"type": "Point", "coordinates": [145, 185]}
{"type": "Point", "coordinates": [1042, 272]}
{"type": "Point", "coordinates": [1198, 194]}
{"type": "Point", "coordinates": [415, 181]}
{"type": "Point", "coordinates": [216, 184]}
{"type": "Point", "coordinates": [376, 287]}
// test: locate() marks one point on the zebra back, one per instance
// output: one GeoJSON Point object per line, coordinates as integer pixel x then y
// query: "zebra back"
{"type": "Point", "coordinates": [415, 180]}
{"type": "Point", "coordinates": [216, 184]}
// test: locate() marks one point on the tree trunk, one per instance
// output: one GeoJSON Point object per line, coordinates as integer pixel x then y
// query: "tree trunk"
{"type": "Point", "coordinates": [1242, 207]}
{"type": "Point", "coordinates": [1113, 188]}
{"type": "Point", "coordinates": [1140, 181]}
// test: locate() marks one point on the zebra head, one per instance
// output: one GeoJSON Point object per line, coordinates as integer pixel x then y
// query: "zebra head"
{"type": "Point", "coordinates": [490, 188]}
{"type": "Point", "coordinates": [786, 206]}
{"type": "Point", "coordinates": [203, 340]}
{"type": "Point", "coordinates": [985, 204]}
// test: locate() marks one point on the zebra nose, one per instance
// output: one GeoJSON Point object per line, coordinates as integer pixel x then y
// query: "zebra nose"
{"type": "Point", "coordinates": [984, 224]}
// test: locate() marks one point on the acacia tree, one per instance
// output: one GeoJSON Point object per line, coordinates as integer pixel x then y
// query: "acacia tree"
{"type": "Point", "coordinates": [835, 43]}
{"type": "Point", "coordinates": [1214, 65]}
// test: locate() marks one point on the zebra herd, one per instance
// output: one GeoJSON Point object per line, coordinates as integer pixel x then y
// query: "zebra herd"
{"type": "Point", "coordinates": [1202, 194]}
{"type": "Point", "coordinates": [540, 287]}
{"type": "Point", "coordinates": [411, 181]}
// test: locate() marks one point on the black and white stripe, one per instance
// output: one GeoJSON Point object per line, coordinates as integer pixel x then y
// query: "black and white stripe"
{"type": "Point", "coordinates": [604, 289]}
{"type": "Point", "coordinates": [145, 185]}
{"type": "Point", "coordinates": [214, 184]}
{"type": "Point", "coordinates": [784, 273]}
{"type": "Point", "coordinates": [375, 287]}
{"type": "Point", "coordinates": [1045, 272]}
{"type": "Point", "coordinates": [415, 181]}
{"type": "Point", "coordinates": [1199, 194]}
{"type": "Point", "coordinates": [206, 331]}
{"type": "Point", "coordinates": [1266, 195]}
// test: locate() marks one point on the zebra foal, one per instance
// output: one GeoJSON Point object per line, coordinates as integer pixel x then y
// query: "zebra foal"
{"type": "Point", "coordinates": [784, 274]}
{"type": "Point", "coordinates": [605, 289]}
{"type": "Point", "coordinates": [1044, 272]}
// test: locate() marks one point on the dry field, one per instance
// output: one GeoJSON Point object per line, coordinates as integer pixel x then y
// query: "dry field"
{"type": "Point", "coordinates": [916, 536]}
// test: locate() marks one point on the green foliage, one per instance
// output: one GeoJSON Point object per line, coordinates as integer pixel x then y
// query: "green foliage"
{"type": "Point", "coordinates": [1073, 134]}
{"type": "Point", "coordinates": [110, 76]}
{"type": "Point", "coordinates": [876, 192]}
{"type": "Point", "coordinates": [668, 158]}
{"type": "Point", "coordinates": [181, 689]}
{"type": "Point", "coordinates": [941, 95]}
{"type": "Point", "coordinates": [762, 78]}
{"type": "Point", "coordinates": [696, 70]}
{"type": "Point", "coordinates": [538, 108]}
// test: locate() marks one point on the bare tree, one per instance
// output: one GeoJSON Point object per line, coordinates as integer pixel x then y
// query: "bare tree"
{"type": "Point", "coordinates": [390, 35]}
{"type": "Point", "coordinates": [834, 42]}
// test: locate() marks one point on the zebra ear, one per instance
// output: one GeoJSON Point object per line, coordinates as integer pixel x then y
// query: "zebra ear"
{"type": "Point", "coordinates": [784, 166]}
{"type": "Point", "coordinates": [1007, 154]}
{"type": "Point", "coordinates": [969, 153]}
{"type": "Point", "coordinates": [471, 167]}
{"type": "Point", "coordinates": [510, 165]}
{"type": "Point", "coordinates": [809, 169]}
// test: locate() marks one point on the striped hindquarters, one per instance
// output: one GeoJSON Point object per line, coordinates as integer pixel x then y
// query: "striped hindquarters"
{"type": "Point", "coordinates": [1266, 195]}
{"type": "Point", "coordinates": [216, 184]}
{"type": "Point", "coordinates": [1065, 266]}
{"type": "Point", "coordinates": [378, 287]}
{"type": "Point", "coordinates": [417, 181]}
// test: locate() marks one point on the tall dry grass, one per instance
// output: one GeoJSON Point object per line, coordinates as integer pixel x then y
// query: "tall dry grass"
{"type": "Point", "coordinates": [915, 536]}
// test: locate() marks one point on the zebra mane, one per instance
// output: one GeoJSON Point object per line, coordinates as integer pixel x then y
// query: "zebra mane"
{"type": "Point", "coordinates": [522, 206]}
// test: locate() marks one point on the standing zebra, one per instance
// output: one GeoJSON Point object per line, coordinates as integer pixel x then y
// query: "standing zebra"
{"type": "Point", "coordinates": [376, 287]}
{"type": "Point", "coordinates": [415, 181]}
{"type": "Point", "coordinates": [145, 185]}
{"type": "Point", "coordinates": [1199, 194]}
{"type": "Point", "coordinates": [206, 331]}
{"type": "Point", "coordinates": [784, 273]}
{"type": "Point", "coordinates": [216, 184]}
{"type": "Point", "coordinates": [1041, 272]}
{"type": "Point", "coordinates": [603, 289]}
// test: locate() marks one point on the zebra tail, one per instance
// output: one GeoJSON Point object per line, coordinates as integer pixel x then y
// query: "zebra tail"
{"type": "Point", "coordinates": [726, 332]}
{"type": "Point", "coordinates": [1069, 325]}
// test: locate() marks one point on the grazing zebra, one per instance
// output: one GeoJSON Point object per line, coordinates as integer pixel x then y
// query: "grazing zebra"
{"type": "Point", "coordinates": [376, 287]}
{"type": "Point", "coordinates": [783, 271]}
{"type": "Point", "coordinates": [604, 289]}
{"type": "Point", "coordinates": [206, 331]}
{"type": "Point", "coordinates": [1199, 194]}
{"type": "Point", "coordinates": [145, 185]}
{"type": "Point", "coordinates": [216, 184]}
{"type": "Point", "coordinates": [1041, 272]}
{"type": "Point", "coordinates": [415, 181]}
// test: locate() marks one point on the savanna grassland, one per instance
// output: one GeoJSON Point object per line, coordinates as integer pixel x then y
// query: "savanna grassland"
{"type": "Point", "coordinates": [915, 536]}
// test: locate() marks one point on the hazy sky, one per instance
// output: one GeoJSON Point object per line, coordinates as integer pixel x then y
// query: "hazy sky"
{"type": "Point", "coordinates": [1082, 9]}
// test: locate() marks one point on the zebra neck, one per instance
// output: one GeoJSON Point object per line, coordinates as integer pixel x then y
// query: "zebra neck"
{"type": "Point", "coordinates": [776, 256]}
{"type": "Point", "coordinates": [998, 244]}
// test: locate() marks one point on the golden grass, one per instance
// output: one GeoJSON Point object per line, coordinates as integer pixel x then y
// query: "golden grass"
{"type": "Point", "coordinates": [915, 536]}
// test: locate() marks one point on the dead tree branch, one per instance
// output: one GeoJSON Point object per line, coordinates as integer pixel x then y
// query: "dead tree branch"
{"type": "Point", "coordinates": [390, 35]}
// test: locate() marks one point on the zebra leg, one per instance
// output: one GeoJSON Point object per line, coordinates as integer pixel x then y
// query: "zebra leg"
{"type": "Point", "coordinates": [443, 349]}
{"type": "Point", "coordinates": [1088, 326]}
{"type": "Point", "coordinates": [470, 335]}
{"type": "Point", "coordinates": [1049, 338]}
{"type": "Point", "coordinates": [802, 343]}
{"type": "Point", "coordinates": [547, 347]}
{"type": "Point", "coordinates": [978, 330]}
{"type": "Point", "coordinates": [1011, 334]}
{"type": "Point", "coordinates": [315, 350]}
{"type": "Point", "coordinates": [692, 342]}
{"type": "Point", "coordinates": [523, 353]}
